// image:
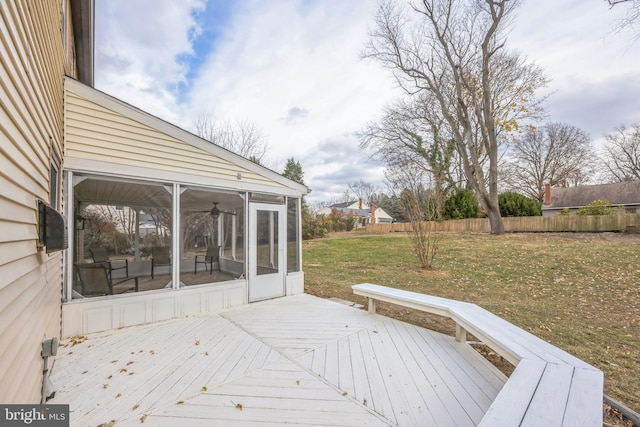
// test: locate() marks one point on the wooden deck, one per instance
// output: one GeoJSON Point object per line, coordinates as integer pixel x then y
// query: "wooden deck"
{"type": "Point", "coordinates": [299, 360]}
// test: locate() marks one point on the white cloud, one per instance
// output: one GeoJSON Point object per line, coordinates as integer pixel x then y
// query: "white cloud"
{"type": "Point", "coordinates": [293, 68]}
{"type": "Point", "coordinates": [138, 44]}
{"type": "Point", "coordinates": [594, 71]}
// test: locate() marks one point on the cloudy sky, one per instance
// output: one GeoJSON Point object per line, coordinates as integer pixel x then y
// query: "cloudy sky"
{"type": "Point", "coordinates": [293, 68]}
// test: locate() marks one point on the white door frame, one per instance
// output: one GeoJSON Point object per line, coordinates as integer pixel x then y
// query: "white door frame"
{"type": "Point", "coordinates": [265, 284]}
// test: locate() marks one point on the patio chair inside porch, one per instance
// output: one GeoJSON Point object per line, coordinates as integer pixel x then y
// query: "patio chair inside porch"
{"type": "Point", "coordinates": [101, 255]}
{"type": "Point", "coordinates": [159, 256]}
{"type": "Point", "coordinates": [212, 256]}
{"type": "Point", "coordinates": [95, 280]}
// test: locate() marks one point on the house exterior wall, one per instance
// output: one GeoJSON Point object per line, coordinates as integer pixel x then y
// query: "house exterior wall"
{"type": "Point", "coordinates": [32, 67]}
{"type": "Point", "coordinates": [100, 138]}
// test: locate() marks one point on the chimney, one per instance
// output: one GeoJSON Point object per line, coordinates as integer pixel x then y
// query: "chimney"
{"type": "Point", "coordinates": [360, 203]}
{"type": "Point", "coordinates": [372, 209]}
{"type": "Point", "coordinates": [547, 194]}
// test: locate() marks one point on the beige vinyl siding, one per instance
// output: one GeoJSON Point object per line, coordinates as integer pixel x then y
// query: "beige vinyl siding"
{"type": "Point", "coordinates": [68, 46]}
{"type": "Point", "coordinates": [94, 132]}
{"type": "Point", "coordinates": [31, 89]}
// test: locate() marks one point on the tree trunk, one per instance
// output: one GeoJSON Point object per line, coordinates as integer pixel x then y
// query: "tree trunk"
{"type": "Point", "coordinates": [495, 220]}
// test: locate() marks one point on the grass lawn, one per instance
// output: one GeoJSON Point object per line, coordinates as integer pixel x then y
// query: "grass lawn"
{"type": "Point", "coordinates": [581, 292]}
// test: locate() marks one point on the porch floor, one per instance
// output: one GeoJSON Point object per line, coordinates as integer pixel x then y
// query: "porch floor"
{"type": "Point", "coordinates": [296, 360]}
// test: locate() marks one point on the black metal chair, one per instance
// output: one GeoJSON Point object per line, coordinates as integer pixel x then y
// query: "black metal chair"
{"type": "Point", "coordinates": [212, 255]}
{"type": "Point", "coordinates": [159, 256]}
{"type": "Point", "coordinates": [101, 255]}
{"type": "Point", "coordinates": [95, 280]}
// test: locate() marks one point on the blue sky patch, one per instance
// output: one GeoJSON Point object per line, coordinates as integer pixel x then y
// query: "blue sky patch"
{"type": "Point", "coordinates": [212, 23]}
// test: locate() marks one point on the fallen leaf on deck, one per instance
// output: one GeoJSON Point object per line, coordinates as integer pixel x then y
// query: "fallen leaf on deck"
{"type": "Point", "coordinates": [130, 363]}
{"type": "Point", "coordinates": [77, 340]}
{"type": "Point", "coordinates": [136, 406]}
{"type": "Point", "coordinates": [204, 388]}
{"type": "Point", "coordinates": [197, 342]}
{"type": "Point", "coordinates": [118, 395]}
{"type": "Point", "coordinates": [123, 370]}
{"type": "Point", "coordinates": [180, 402]}
{"type": "Point", "coordinates": [142, 418]}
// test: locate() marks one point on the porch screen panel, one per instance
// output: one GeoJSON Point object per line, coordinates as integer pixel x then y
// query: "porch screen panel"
{"type": "Point", "coordinates": [293, 235]}
{"type": "Point", "coordinates": [126, 227]}
{"type": "Point", "coordinates": [210, 222]}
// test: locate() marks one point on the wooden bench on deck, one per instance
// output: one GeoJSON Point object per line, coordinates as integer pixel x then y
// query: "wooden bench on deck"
{"type": "Point", "coordinates": [549, 387]}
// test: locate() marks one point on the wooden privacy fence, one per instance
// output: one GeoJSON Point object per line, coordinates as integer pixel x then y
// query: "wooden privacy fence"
{"type": "Point", "coordinates": [584, 223]}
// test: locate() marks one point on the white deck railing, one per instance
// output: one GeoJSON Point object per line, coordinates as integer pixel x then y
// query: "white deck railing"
{"type": "Point", "coordinates": [549, 387]}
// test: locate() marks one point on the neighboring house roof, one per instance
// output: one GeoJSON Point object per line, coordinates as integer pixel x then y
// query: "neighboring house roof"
{"type": "Point", "coordinates": [356, 212]}
{"type": "Point", "coordinates": [342, 205]}
{"type": "Point", "coordinates": [618, 194]}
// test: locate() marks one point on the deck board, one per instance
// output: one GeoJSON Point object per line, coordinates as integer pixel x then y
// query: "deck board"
{"type": "Point", "coordinates": [300, 360]}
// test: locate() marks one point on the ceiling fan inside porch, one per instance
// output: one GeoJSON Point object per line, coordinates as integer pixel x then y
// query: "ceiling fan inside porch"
{"type": "Point", "coordinates": [215, 212]}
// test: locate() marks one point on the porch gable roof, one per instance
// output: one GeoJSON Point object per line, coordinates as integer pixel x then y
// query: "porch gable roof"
{"type": "Point", "coordinates": [103, 129]}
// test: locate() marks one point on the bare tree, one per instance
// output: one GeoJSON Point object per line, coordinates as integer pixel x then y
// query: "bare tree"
{"type": "Point", "coordinates": [455, 51]}
{"type": "Point", "coordinates": [408, 182]}
{"type": "Point", "coordinates": [363, 190]}
{"type": "Point", "coordinates": [242, 137]}
{"type": "Point", "coordinates": [632, 19]}
{"type": "Point", "coordinates": [622, 153]}
{"type": "Point", "coordinates": [410, 132]}
{"type": "Point", "coordinates": [558, 154]}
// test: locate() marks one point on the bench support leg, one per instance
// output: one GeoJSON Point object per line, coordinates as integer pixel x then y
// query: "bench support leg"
{"type": "Point", "coordinates": [461, 334]}
{"type": "Point", "coordinates": [372, 306]}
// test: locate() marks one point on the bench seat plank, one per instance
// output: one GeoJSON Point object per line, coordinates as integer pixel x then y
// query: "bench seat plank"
{"type": "Point", "coordinates": [584, 407]}
{"type": "Point", "coordinates": [548, 405]}
{"type": "Point", "coordinates": [514, 338]}
{"type": "Point", "coordinates": [511, 404]}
